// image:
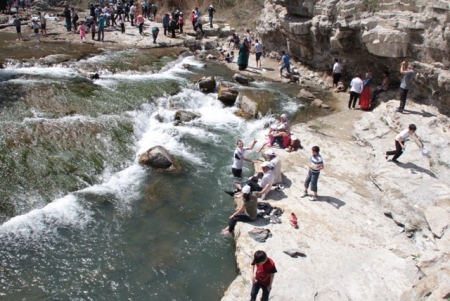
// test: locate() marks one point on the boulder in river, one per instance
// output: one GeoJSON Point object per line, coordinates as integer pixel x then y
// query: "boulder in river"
{"type": "Point", "coordinates": [185, 116]}
{"type": "Point", "coordinates": [207, 84]}
{"type": "Point", "coordinates": [248, 106]}
{"type": "Point", "coordinates": [239, 78]}
{"type": "Point", "coordinates": [227, 94]}
{"type": "Point", "coordinates": [158, 158]}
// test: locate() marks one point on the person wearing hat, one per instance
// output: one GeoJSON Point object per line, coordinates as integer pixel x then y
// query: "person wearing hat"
{"type": "Point", "coordinates": [248, 212]}
{"type": "Point", "coordinates": [267, 179]}
{"type": "Point", "coordinates": [315, 166]}
{"type": "Point", "coordinates": [405, 85]}
{"type": "Point", "coordinates": [211, 12]}
{"type": "Point", "coordinates": [238, 158]}
{"type": "Point", "coordinates": [277, 165]}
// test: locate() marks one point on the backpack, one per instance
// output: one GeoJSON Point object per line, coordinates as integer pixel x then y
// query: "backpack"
{"type": "Point", "coordinates": [75, 17]}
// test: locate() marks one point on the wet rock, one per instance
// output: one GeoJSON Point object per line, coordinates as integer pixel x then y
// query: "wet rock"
{"type": "Point", "coordinates": [39, 4]}
{"type": "Point", "coordinates": [317, 103]}
{"type": "Point", "coordinates": [248, 106]}
{"type": "Point", "coordinates": [207, 84]}
{"type": "Point", "coordinates": [227, 94]}
{"type": "Point", "coordinates": [438, 220]}
{"type": "Point", "coordinates": [4, 20]}
{"type": "Point", "coordinates": [185, 116]}
{"type": "Point", "coordinates": [239, 78]}
{"type": "Point", "coordinates": [186, 66]}
{"type": "Point", "coordinates": [211, 57]}
{"type": "Point", "coordinates": [158, 158]}
{"type": "Point", "coordinates": [305, 94]}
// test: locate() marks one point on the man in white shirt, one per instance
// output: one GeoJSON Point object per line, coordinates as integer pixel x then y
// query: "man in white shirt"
{"type": "Point", "coordinates": [337, 69]}
{"type": "Point", "coordinates": [258, 53]}
{"type": "Point", "coordinates": [277, 166]}
{"type": "Point", "coordinates": [356, 89]}
{"type": "Point", "coordinates": [267, 180]}
{"type": "Point", "coordinates": [239, 158]}
{"type": "Point", "coordinates": [400, 141]}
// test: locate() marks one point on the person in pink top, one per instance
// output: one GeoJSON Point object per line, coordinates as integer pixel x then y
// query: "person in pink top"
{"type": "Point", "coordinates": [140, 23]}
{"type": "Point", "coordinates": [82, 31]}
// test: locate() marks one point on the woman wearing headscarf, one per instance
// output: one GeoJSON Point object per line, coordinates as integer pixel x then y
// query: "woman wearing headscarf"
{"type": "Point", "coordinates": [244, 52]}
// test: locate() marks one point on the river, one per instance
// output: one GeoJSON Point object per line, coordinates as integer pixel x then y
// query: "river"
{"type": "Point", "coordinates": [81, 220]}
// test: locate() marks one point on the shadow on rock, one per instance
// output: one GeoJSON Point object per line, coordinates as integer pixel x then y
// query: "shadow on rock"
{"type": "Point", "coordinates": [423, 113]}
{"type": "Point", "coordinates": [415, 168]}
{"type": "Point", "coordinates": [332, 201]}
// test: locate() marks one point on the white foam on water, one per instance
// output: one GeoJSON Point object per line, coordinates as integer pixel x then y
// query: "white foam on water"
{"type": "Point", "coordinates": [64, 212]}
{"type": "Point", "coordinates": [54, 71]}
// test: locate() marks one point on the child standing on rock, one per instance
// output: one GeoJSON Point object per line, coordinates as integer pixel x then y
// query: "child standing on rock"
{"type": "Point", "coordinates": [36, 31]}
{"type": "Point", "coordinates": [263, 273]}
{"type": "Point", "coordinates": [82, 31]}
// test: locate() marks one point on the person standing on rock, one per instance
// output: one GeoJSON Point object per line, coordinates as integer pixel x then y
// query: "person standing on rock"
{"type": "Point", "coordinates": [364, 98]}
{"type": "Point", "coordinates": [315, 165]}
{"type": "Point", "coordinates": [400, 141]}
{"type": "Point", "coordinates": [43, 22]}
{"type": "Point", "coordinates": [405, 85]}
{"type": "Point", "coordinates": [132, 12]}
{"type": "Point", "coordinates": [66, 14]}
{"type": "Point", "coordinates": [199, 25]}
{"type": "Point", "coordinates": [357, 86]}
{"type": "Point", "coordinates": [258, 53]}
{"type": "Point", "coordinates": [74, 18]}
{"type": "Point", "coordinates": [140, 22]}
{"type": "Point", "coordinates": [284, 64]}
{"type": "Point", "coordinates": [18, 26]}
{"type": "Point", "coordinates": [166, 23]}
{"type": "Point", "coordinates": [181, 22]}
{"type": "Point", "coordinates": [337, 69]}
{"type": "Point", "coordinates": [239, 158]}
{"type": "Point", "coordinates": [101, 27]}
{"type": "Point", "coordinates": [263, 273]}
{"type": "Point", "coordinates": [244, 52]}
{"type": "Point", "coordinates": [211, 12]}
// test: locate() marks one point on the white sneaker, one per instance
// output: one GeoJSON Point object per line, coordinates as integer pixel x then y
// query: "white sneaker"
{"type": "Point", "coordinates": [313, 198]}
{"type": "Point", "coordinates": [304, 194]}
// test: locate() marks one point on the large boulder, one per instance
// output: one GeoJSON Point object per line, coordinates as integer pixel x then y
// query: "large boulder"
{"type": "Point", "coordinates": [207, 84]}
{"type": "Point", "coordinates": [227, 94]}
{"type": "Point", "coordinates": [41, 5]}
{"type": "Point", "coordinates": [185, 116]}
{"type": "Point", "coordinates": [158, 158]}
{"type": "Point", "coordinates": [248, 106]}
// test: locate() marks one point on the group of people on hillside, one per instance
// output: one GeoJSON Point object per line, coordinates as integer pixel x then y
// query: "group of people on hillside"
{"type": "Point", "coordinates": [360, 88]}
{"type": "Point", "coordinates": [6, 6]}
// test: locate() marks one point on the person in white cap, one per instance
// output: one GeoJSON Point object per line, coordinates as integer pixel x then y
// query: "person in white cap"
{"type": "Point", "coordinates": [277, 166]}
{"type": "Point", "coordinates": [238, 158]}
{"type": "Point", "coordinates": [211, 12]}
{"type": "Point", "coordinates": [267, 179]}
{"type": "Point", "coordinates": [246, 213]}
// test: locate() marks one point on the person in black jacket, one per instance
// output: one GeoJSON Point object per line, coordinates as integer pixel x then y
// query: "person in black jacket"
{"type": "Point", "coordinates": [66, 14]}
{"type": "Point", "coordinates": [211, 12]}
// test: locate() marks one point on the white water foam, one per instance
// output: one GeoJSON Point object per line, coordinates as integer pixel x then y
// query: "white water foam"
{"type": "Point", "coordinates": [63, 212]}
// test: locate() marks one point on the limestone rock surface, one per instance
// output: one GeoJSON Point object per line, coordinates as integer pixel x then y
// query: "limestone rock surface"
{"type": "Point", "coordinates": [227, 94]}
{"type": "Point", "coordinates": [158, 158]}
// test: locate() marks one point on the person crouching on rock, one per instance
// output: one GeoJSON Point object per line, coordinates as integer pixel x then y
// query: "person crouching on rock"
{"type": "Point", "coordinates": [246, 213]}
{"type": "Point", "coordinates": [155, 32]}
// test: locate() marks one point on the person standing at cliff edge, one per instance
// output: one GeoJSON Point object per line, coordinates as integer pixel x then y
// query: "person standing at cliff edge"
{"type": "Point", "coordinates": [337, 69]}
{"type": "Point", "coordinates": [405, 85]}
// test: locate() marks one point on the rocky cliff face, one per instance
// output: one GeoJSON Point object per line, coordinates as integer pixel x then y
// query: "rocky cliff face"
{"type": "Point", "coordinates": [367, 35]}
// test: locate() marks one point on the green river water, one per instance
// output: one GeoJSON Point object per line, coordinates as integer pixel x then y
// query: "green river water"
{"type": "Point", "coordinates": [81, 220]}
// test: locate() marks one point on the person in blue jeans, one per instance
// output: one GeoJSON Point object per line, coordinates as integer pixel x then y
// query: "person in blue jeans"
{"type": "Point", "coordinates": [315, 165]}
{"type": "Point", "coordinates": [284, 64]}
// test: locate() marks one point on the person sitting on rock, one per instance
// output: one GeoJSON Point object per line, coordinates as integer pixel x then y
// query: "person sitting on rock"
{"type": "Point", "coordinates": [230, 57]}
{"type": "Point", "coordinates": [294, 144]}
{"type": "Point", "coordinates": [246, 213]}
{"type": "Point", "coordinates": [272, 158]}
{"type": "Point", "coordinates": [383, 88]}
{"type": "Point", "coordinates": [222, 56]}
{"type": "Point", "coordinates": [267, 179]}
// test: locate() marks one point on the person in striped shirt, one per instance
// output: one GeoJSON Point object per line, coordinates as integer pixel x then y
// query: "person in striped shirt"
{"type": "Point", "coordinates": [315, 165]}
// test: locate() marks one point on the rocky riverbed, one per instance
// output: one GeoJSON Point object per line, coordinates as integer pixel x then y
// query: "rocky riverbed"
{"type": "Point", "coordinates": [379, 229]}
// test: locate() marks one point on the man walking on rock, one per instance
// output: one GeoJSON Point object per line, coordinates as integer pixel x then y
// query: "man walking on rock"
{"type": "Point", "coordinates": [337, 69]}
{"type": "Point", "coordinates": [315, 165]}
{"type": "Point", "coordinates": [408, 76]}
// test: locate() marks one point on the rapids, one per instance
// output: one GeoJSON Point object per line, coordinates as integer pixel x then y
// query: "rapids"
{"type": "Point", "coordinates": [81, 219]}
